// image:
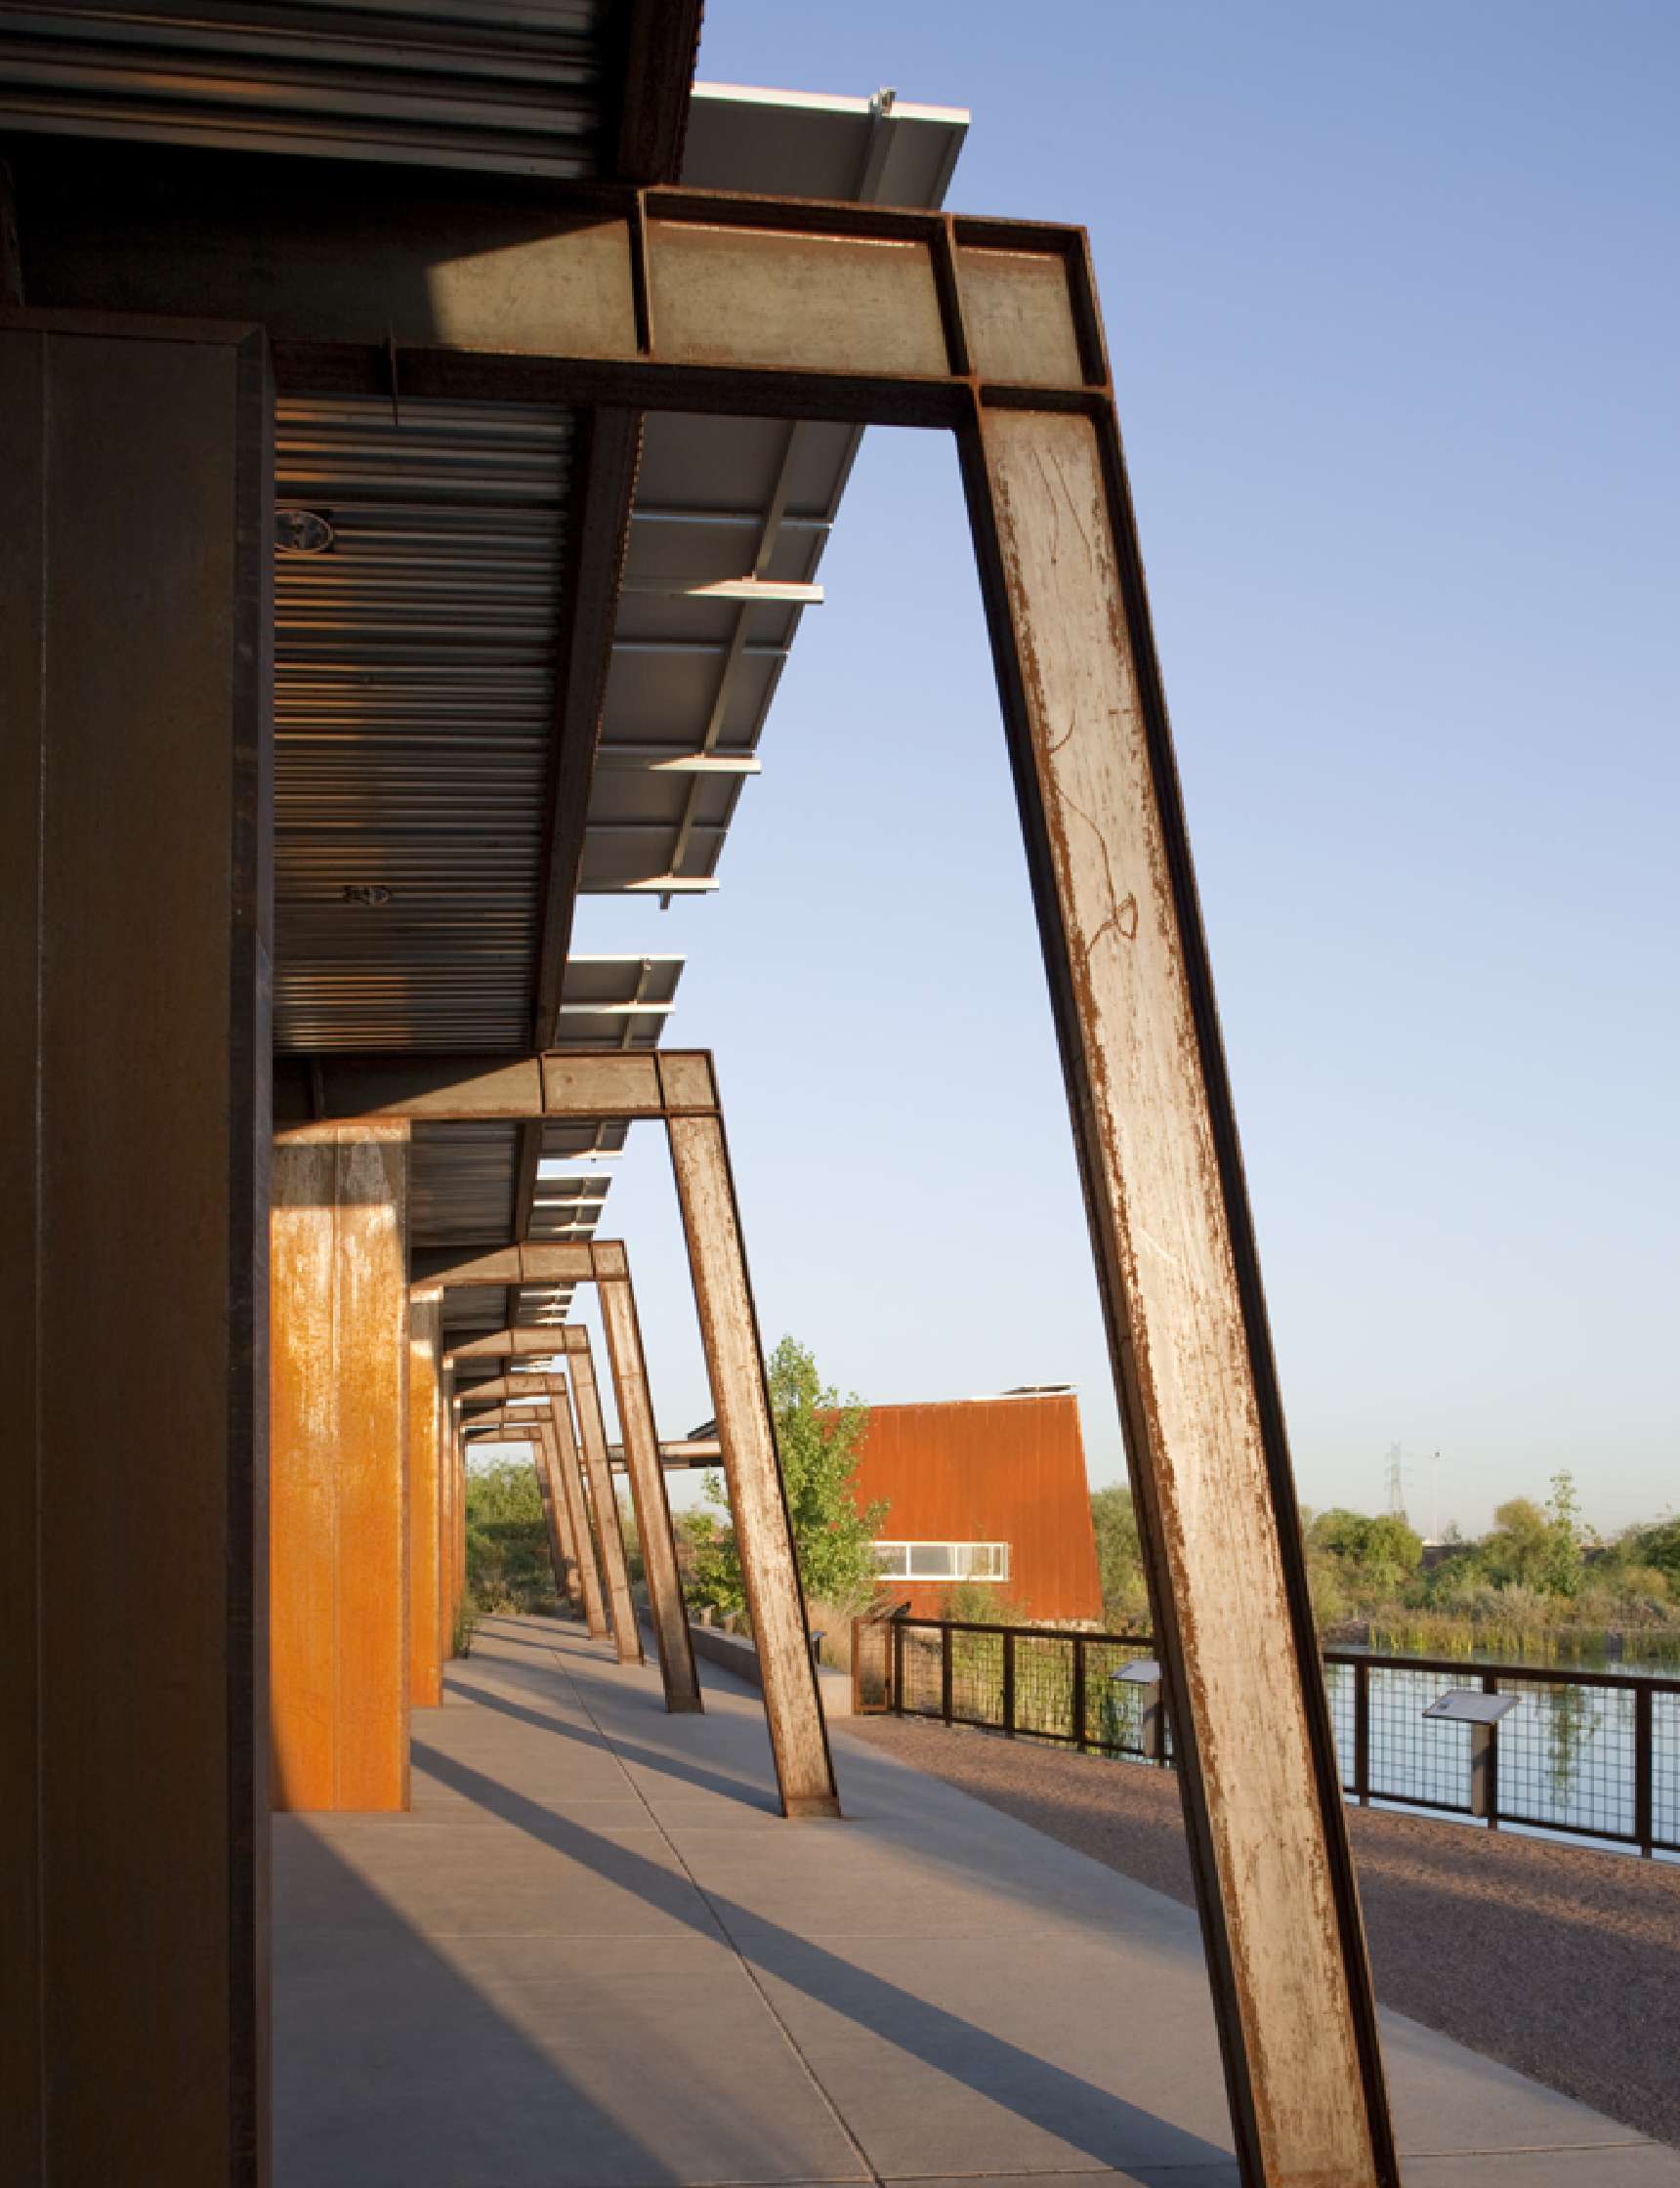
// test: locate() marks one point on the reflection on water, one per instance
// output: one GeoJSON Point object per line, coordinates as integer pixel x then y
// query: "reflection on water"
{"type": "Point", "coordinates": [1567, 1753]}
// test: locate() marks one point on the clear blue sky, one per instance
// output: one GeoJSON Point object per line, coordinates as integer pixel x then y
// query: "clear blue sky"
{"type": "Point", "coordinates": [1391, 295]}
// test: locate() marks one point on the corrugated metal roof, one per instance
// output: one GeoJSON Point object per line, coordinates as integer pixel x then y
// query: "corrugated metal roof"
{"type": "Point", "coordinates": [516, 85]}
{"type": "Point", "coordinates": [693, 672]}
{"type": "Point", "coordinates": [415, 669]}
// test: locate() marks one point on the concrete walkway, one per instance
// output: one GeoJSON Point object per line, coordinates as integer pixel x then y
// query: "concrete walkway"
{"type": "Point", "coordinates": [595, 1956]}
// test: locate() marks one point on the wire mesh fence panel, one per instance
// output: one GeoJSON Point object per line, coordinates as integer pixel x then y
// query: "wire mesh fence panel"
{"type": "Point", "coordinates": [1044, 1685]}
{"type": "Point", "coordinates": [1341, 1684]}
{"type": "Point", "coordinates": [1665, 1771]}
{"type": "Point", "coordinates": [921, 1693]}
{"type": "Point", "coordinates": [871, 1665]}
{"type": "Point", "coordinates": [1566, 1757]}
{"type": "Point", "coordinates": [1423, 1761]}
{"type": "Point", "coordinates": [1599, 1756]}
{"type": "Point", "coordinates": [977, 1679]}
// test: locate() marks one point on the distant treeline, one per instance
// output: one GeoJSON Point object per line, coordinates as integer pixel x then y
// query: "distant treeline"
{"type": "Point", "coordinates": [1541, 1581]}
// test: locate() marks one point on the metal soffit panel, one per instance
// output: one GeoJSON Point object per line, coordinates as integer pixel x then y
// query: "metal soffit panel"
{"type": "Point", "coordinates": [414, 671]}
{"type": "Point", "coordinates": [515, 85]}
{"type": "Point", "coordinates": [731, 515]}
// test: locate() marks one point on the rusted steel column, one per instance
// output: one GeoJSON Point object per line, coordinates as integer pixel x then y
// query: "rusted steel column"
{"type": "Point", "coordinates": [545, 1493]}
{"type": "Point", "coordinates": [561, 1445]}
{"type": "Point", "coordinates": [569, 1574]}
{"type": "Point", "coordinates": [735, 1363]}
{"type": "Point", "coordinates": [339, 1468]}
{"type": "Point", "coordinates": [428, 1460]}
{"type": "Point", "coordinates": [1133, 996]}
{"type": "Point", "coordinates": [646, 1474]}
{"type": "Point", "coordinates": [592, 1429]}
{"type": "Point", "coordinates": [135, 484]}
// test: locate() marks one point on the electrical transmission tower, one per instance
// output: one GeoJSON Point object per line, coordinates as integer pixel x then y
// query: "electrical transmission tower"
{"type": "Point", "coordinates": [1396, 1484]}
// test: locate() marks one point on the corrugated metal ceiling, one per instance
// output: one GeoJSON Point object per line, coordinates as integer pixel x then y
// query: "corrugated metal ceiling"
{"type": "Point", "coordinates": [414, 667]}
{"type": "Point", "coordinates": [516, 85]}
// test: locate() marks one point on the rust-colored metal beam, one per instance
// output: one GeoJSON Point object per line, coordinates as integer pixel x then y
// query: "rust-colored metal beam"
{"type": "Point", "coordinates": [1132, 992]}
{"type": "Point", "coordinates": [606, 450]}
{"type": "Point", "coordinates": [607, 1264]}
{"type": "Point", "coordinates": [560, 1445]}
{"type": "Point", "coordinates": [644, 1467]}
{"type": "Point", "coordinates": [658, 46]}
{"type": "Point", "coordinates": [609, 1524]}
{"type": "Point", "coordinates": [670, 299]}
{"type": "Point", "coordinates": [525, 1344]}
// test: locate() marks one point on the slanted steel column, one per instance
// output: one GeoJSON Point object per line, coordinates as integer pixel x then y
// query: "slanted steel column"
{"type": "Point", "coordinates": [339, 1468]}
{"type": "Point", "coordinates": [592, 1430]}
{"type": "Point", "coordinates": [1133, 997]}
{"type": "Point", "coordinates": [545, 1493]}
{"type": "Point", "coordinates": [569, 1572]}
{"type": "Point", "coordinates": [135, 745]}
{"type": "Point", "coordinates": [561, 1445]}
{"type": "Point", "coordinates": [735, 1363]}
{"type": "Point", "coordinates": [428, 1459]}
{"type": "Point", "coordinates": [646, 1474]}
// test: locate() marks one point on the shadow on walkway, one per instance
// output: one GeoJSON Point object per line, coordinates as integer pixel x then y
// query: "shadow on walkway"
{"type": "Point", "coordinates": [1075, 2112]}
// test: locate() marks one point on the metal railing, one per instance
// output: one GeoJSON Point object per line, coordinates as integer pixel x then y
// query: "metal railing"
{"type": "Point", "coordinates": [1595, 1754]}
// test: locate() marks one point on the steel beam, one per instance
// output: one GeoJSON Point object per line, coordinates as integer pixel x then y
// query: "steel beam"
{"type": "Point", "coordinates": [679, 1087]}
{"type": "Point", "coordinates": [560, 1445]}
{"type": "Point", "coordinates": [597, 1464]}
{"type": "Point", "coordinates": [647, 1494]}
{"type": "Point", "coordinates": [665, 300]}
{"type": "Point", "coordinates": [1108, 856]}
{"type": "Point", "coordinates": [606, 452]}
{"type": "Point", "coordinates": [545, 1490]}
{"type": "Point", "coordinates": [592, 1433]}
{"type": "Point", "coordinates": [607, 1264]}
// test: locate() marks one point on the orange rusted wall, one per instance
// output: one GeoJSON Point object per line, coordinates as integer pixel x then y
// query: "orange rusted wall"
{"type": "Point", "coordinates": [338, 1515]}
{"type": "Point", "coordinates": [990, 1470]}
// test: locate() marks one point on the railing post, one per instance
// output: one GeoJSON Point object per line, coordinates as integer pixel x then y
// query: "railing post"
{"type": "Point", "coordinates": [1009, 1683]}
{"type": "Point", "coordinates": [945, 1670]}
{"type": "Point", "coordinates": [1079, 1726]}
{"type": "Point", "coordinates": [1362, 1734]}
{"type": "Point", "coordinates": [1485, 1763]}
{"type": "Point", "coordinates": [897, 1704]}
{"type": "Point", "coordinates": [1644, 1818]}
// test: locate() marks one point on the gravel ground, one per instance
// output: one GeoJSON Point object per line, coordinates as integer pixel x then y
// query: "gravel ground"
{"type": "Point", "coordinates": [1562, 1961]}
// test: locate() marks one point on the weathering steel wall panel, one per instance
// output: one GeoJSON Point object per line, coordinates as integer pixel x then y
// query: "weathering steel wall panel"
{"type": "Point", "coordinates": [990, 1470]}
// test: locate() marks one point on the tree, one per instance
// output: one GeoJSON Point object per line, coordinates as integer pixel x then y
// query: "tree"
{"type": "Point", "coordinates": [818, 1440]}
{"type": "Point", "coordinates": [1371, 1557]}
{"type": "Point", "coordinates": [1514, 1552]}
{"type": "Point", "coordinates": [1563, 1559]}
{"type": "Point", "coordinates": [1120, 1558]}
{"type": "Point", "coordinates": [509, 1563]}
{"type": "Point", "coordinates": [1659, 1547]}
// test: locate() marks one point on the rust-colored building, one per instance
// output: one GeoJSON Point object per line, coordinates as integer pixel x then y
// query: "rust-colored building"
{"type": "Point", "coordinates": [984, 1489]}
